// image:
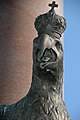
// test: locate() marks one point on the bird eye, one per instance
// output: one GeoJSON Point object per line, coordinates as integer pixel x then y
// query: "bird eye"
{"type": "Point", "coordinates": [58, 45]}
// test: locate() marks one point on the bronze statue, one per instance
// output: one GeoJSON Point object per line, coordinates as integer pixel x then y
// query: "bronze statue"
{"type": "Point", "coordinates": [44, 100]}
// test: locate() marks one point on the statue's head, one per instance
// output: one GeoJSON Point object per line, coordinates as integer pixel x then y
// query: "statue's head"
{"type": "Point", "coordinates": [51, 60]}
{"type": "Point", "coordinates": [49, 51]}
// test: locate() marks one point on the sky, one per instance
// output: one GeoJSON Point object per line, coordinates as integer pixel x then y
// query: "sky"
{"type": "Point", "coordinates": [72, 58]}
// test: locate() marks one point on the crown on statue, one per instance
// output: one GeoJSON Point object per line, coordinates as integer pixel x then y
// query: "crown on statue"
{"type": "Point", "coordinates": [50, 22]}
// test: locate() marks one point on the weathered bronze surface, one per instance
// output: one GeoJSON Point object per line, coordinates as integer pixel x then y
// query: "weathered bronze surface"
{"type": "Point", "coordinates": [44, 100]}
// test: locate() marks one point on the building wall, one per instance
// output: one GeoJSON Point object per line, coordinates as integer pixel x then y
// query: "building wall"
{"type": "Point", "coordinates": [16, 37]}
